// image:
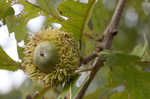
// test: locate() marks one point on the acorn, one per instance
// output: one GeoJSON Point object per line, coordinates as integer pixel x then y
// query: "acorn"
{"type": "Point", "coordinates": [51, 57]}
{"type": "Point", "coordinates": [45, 56]}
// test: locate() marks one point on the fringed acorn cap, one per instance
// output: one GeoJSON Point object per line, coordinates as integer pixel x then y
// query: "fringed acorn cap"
{"type": "Point", "coordinates": [59, 65]}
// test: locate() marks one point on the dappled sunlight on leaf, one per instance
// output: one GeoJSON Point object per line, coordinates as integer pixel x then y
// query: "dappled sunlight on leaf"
{"type": "Point", "coordinates": [36, 24]}
{"type": "Point", "coordinates": [9, 43]}
{"type": "Point", "coordinates": [18, 8]}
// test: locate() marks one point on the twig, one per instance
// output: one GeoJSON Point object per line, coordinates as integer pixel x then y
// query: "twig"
{"type": "Point", "coordinates": [84, 70]}
{"type": "Point", "coordinates": [106, 43]}
{"type": "Point", "coordinates": [90, 36]}
{"type": "Point", "coordinates": [97, 66]}
{"type": "Point", "coordinates": [109, 33]}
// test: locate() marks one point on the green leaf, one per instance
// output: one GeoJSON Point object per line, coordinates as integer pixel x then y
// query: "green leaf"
{"type": "Point", "coordinates": [71, 89]}
{"type": "Point", "coordinates": [100, 80]}
{"type": "Point", "coordinates": [6, 12]}
{"type": "Point", "coordinates": [5, 9]}
{"type": "Point", "coordinates": [126, 39]}
{"type": "Point", "coordinates": [94, 95]}
{"type": "Point", "coordinates": [18, 24]}
{"type": "Point", "coordinates": [50, 6]}
{"type": "Point", "coordinates": [76, 12]}
{"type": "Point", "coordinates": [137, 82]}
{"type": "Point", "coordinates": [74, 90]}
{"type": "Point", "coordinates": [5, 59]}
{"type": "Point", "coordinates": [11, 68]}
{"type": "Point", "coordinates": [119, 95]}
{"type": "Point", "coordinates": [125, 72]}
{"type": "Point", "coordinates": [146, 54]}
{"type": "Point", "coordinates": [6, 62]}
{"type": "Point", "coordinates": [139, 50]}
{"type": "Point", "coordinates": [106, 92]}
{"type": "Point", "coordinates": [118, 59]}
{"type": "Point", "coordinates": [100, 18]}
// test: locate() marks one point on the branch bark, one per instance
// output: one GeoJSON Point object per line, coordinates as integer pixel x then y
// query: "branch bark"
{"type": "Point", "coordinates": [109, 33]}
{"type": "Point", "coordinates": [106, 43]}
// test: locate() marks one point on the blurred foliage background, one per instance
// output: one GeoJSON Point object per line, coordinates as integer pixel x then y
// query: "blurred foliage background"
{"type": "Point", "coordinates": [133, 38]}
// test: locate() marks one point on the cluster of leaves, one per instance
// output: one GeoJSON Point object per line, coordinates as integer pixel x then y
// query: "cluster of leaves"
{"type": "Point", "coordinates": [124, 69]}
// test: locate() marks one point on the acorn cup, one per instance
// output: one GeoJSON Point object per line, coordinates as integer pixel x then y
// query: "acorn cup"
{"type": "Point", "coordinates": [51, 56]}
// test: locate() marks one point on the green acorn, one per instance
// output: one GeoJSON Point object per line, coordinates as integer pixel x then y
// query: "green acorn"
{"type": "Point", "coordinates": [51, 56]}
{"type": "Point", "coordinates": [45, 56]}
